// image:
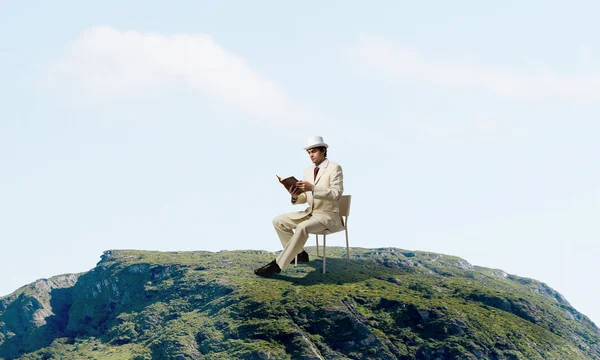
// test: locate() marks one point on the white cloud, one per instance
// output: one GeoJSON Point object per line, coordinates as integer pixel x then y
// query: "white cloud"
{"type": "Point", "coordinates": [407, 64]}
{"type": "Point", "coordinates": [106, 62]}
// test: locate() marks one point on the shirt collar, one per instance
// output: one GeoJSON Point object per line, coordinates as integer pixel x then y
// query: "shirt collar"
{"type": "Point", "coordinates": [321, 164]}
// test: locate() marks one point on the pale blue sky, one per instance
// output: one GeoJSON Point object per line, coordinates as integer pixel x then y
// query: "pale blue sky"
{"type": "Point", "coordinates": [468, 129]}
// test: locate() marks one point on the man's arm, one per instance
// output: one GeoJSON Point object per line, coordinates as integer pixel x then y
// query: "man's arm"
{"type": "Point", "coordinates": [297, 198]}
{"type": "Point", "coordinates": [334, 190]}
{"type": "Point", "coordinates": [300, 200]}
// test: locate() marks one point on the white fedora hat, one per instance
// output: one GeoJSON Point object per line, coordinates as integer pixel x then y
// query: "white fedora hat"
{"type": "Point", "coordinates": [315, 141]}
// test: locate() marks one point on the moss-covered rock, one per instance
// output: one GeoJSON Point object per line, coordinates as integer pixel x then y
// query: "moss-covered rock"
{"type": "Point", "coordinates": [383, 304]}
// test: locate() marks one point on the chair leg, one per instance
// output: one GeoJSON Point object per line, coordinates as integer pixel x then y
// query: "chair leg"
{"type": "Point", "coordinates": [347, 246]}
{"type": "Point", "coordinates": [296, 261]}
{"type": "Point", "coordinates": [317, 237]}
{"type": "Point", "coordinates": [324, 257]}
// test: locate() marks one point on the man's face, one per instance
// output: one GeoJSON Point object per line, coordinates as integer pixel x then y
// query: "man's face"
{"type": "Point", "coordinates": [316, 156]}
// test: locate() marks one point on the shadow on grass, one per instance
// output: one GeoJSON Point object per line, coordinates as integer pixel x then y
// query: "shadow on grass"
{"type": "Point", "coordinates": [339, 271]}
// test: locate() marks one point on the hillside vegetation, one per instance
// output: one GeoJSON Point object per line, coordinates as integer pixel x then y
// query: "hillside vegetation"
{"type": "Point", "coordinates": [383, 304]}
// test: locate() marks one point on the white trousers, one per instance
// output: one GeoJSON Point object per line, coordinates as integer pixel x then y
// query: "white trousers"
{"type": "Point", "coordinates": [293, 242]}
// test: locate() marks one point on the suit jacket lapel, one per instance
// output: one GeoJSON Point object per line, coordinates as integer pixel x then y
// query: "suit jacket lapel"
{"type": "Point", "coordinates": [322, 169]}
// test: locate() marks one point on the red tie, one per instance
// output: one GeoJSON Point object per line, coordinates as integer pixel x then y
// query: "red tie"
{"type": "Point", "coordinates": [316, 171]}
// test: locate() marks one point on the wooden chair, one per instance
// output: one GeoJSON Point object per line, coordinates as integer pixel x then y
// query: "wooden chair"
{"type": "Point", "coordinates": [344, 213]}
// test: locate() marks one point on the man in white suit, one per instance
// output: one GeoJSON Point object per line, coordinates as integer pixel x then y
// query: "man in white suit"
{"type": "Point", "coordinates": [321, 189]}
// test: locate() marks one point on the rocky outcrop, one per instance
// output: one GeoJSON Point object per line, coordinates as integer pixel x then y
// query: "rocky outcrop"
{"type": "Point", "coordinates": [36, 314]}
{"type": "Point", "coordinates": [383, 304]}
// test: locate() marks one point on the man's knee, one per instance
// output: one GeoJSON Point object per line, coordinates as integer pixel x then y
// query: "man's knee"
{"type": "Point", "coordinates": [279, 221]}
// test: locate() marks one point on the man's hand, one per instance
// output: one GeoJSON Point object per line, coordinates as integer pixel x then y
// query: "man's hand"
{"type": "Point", "coordinates": [305, 186]}
{"type": "Point", "coordinates": [294, 191]}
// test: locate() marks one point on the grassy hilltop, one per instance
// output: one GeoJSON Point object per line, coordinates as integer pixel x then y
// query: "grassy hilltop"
{"type": "Point", "coordinates": [383, 304]}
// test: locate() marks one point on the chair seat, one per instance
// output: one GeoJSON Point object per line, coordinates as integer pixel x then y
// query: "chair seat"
{"type": "Point", "coordinates": [324, 232]}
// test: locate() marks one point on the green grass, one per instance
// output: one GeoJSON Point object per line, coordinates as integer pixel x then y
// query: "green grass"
{"type": "Point", "coordinates": [383, 303]}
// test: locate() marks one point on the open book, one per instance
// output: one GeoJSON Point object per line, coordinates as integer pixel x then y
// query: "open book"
{"type": "Point", "coordinates": [288, 181]}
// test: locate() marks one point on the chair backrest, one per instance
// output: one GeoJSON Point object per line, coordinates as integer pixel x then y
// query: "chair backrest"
{"type": "Point", "coordinates": [345, 205]}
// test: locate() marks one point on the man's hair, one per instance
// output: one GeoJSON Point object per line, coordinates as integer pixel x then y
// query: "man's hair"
{"type": "Point", "coordinates": [322, 149]}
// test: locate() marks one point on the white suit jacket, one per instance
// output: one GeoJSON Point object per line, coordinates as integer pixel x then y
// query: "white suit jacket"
{"type": "Point", "coordinates": [324, 204]}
